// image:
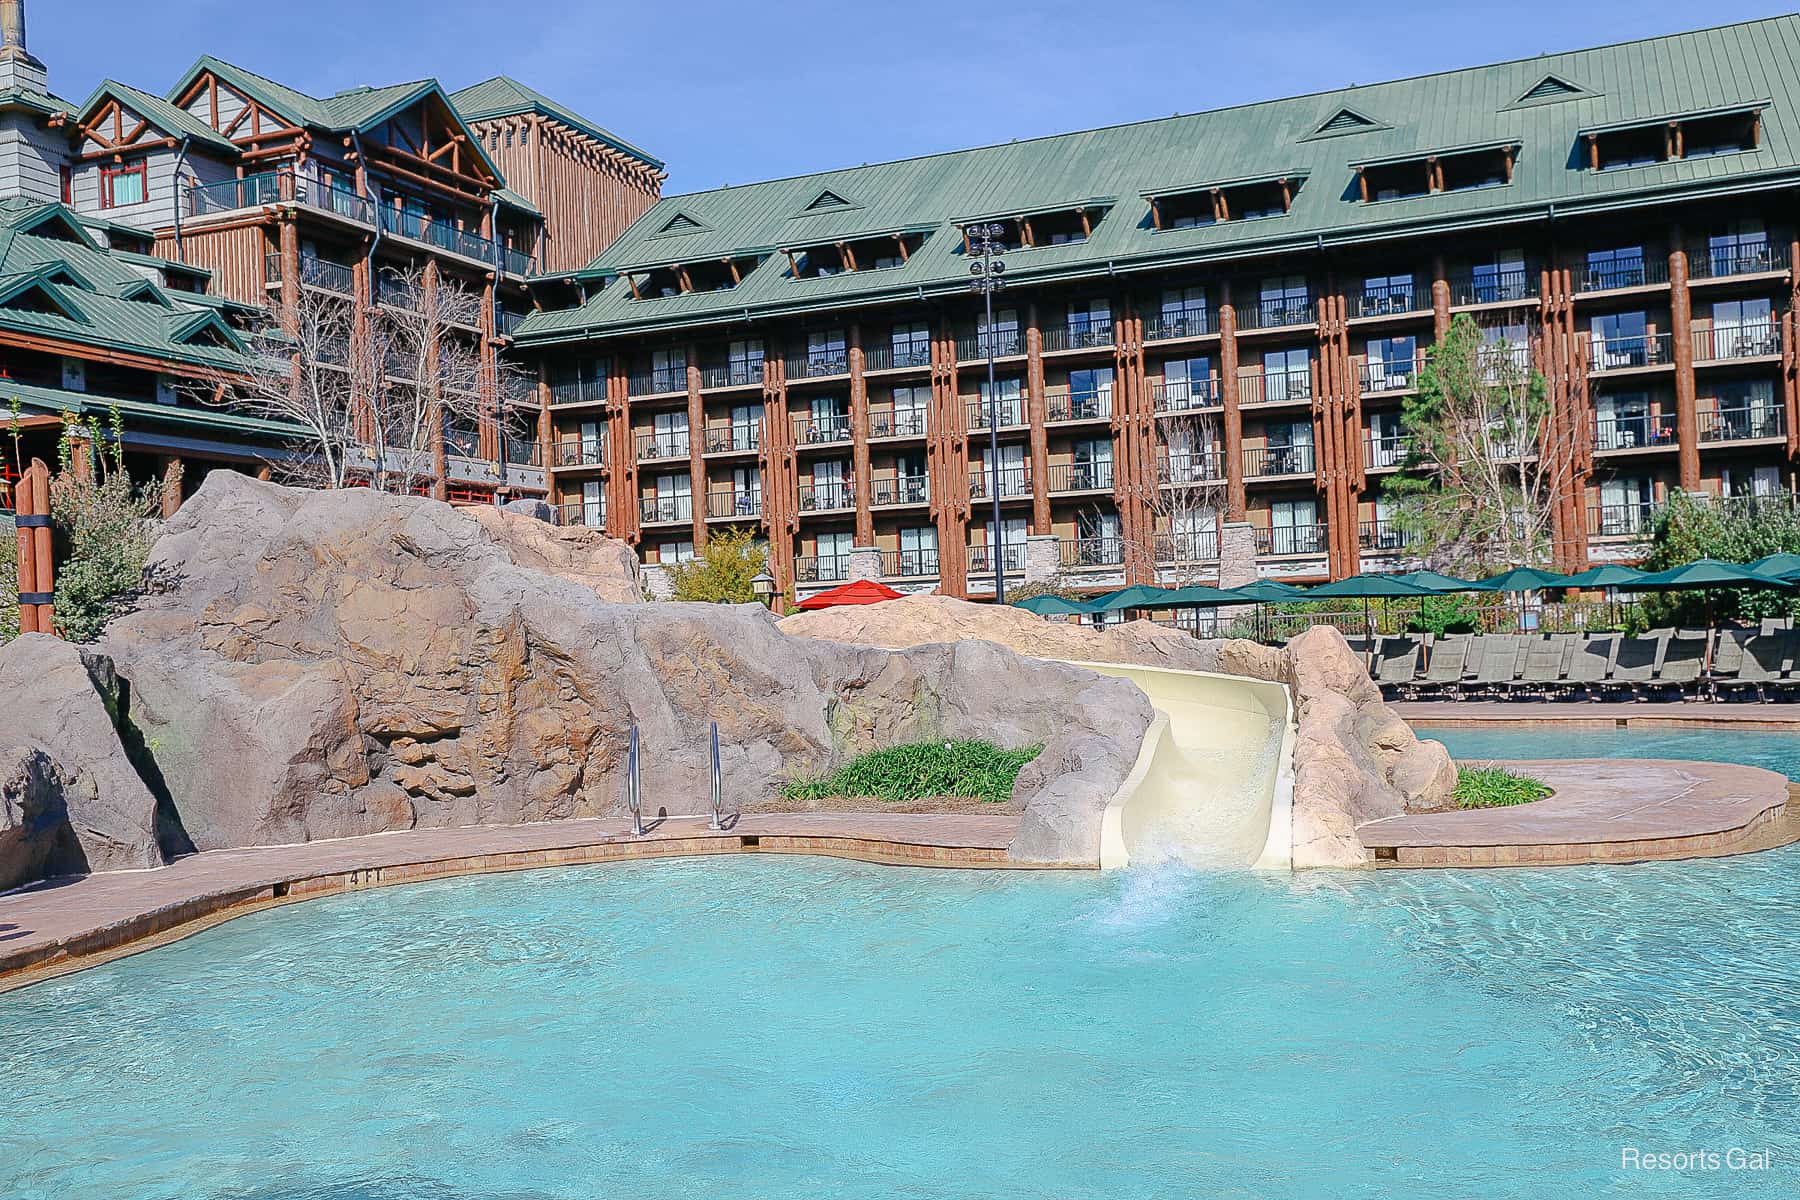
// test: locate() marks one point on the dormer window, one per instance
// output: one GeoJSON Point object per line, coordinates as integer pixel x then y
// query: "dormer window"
{"type": "Point", "coordinates": [1051, 227]}
{"type": "Point", "coordinates": [1459, 170]}
{"type": "Point", "coordinates": [855, 254]}
{"type": "Point", "coordinates": [676, 279]}
{"type": "Point", "coordinates": [1232, 200]}
{"type": "Point", "coordinates": [1671, 139]}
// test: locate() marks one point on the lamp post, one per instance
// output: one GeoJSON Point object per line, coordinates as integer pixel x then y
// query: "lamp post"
{"type": "Point", "coordinates": [985, 248]}
{"type": "Point", "coordinates": [762, 586]}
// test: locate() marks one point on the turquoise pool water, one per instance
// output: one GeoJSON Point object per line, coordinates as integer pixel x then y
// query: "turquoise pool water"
{"type": "Point", "coordinates": [763, 1027]}
{"type": "Point", "coordinates": [1776, 751]}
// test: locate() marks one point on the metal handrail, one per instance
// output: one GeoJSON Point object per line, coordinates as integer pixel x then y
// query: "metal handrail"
{"type": "Point", "coordinates": [634, 786]}
{"type": "Point", "coordinates": [718, 784]}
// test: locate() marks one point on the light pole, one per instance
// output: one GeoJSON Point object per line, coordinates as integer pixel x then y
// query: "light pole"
{"type": "Point", "coordinates": [985, 248]}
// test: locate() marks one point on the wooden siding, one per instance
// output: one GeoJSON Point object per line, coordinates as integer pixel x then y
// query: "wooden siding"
{"type": "Point", "coordinates": [588, 192]}
{"type": "Point", "coordinates": [233, 254]}
{"type": "Point", "coordinates": [31, 159]}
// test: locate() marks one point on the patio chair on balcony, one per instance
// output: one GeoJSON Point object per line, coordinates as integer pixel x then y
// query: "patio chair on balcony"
{"type": "Point", "coordinates": [1683, 663]}
{"type": "Point", "coordinates": [1443, 674]}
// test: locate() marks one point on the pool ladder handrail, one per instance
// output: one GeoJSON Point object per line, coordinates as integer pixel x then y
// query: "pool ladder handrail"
{"type": "Point", "coordinates": [717, 820]}
{"type": "Point", "coordinates": [634, 786]}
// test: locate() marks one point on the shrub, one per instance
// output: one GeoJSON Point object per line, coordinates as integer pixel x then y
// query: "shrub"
{"type": "Point", "coordinates": [105, 528]}
{"type": "Point", "coordinates": [722, 571]}
{"type": "Point", "coordinates": [1688, 529]}
{"type": "Point", "coordinates": [920, 771]}
{"type": "Point", "coordinates": [1495, 787]}
{"type": "Point", "coordinates": [1456, 612]}
{"type": "Point", "coordinates": [9, 582]}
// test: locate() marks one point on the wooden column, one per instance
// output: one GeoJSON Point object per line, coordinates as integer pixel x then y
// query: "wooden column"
{"type": "Point", "coordinates": [362, 287]}
{"type": "Point", "coordinates": [440, 458]}
{"type": "Point", "coordinates": [622, 514]}
{"type": "Point", "coordinates": [780, 474]}
{"type": "Point", "coordinates": [1790, 356]}
{"type": "Point", "coordinates": [947, 458]}
{"type": "Point", "coordinates": [1232, 418]}
{"type": "Point", "coordinates": [1325, 438]}
{"type": "Point", "coordinates": [289, 234]}
{"type": "Point", "coordinates": [697, 481]}
{"type": "Point", "coordinates": [1134, 470]}
{"type": "Point", "coordinates": [36, 568]}
{"type": "Point", "coordinates": [1036, 415]}
{"type": "Point", "coordinates": [546, 431]}
{"type": "Point", "coordinates": [860, 472]}
{"type": "Point", "coordinates": [1440, 299]}
{"type": "Point", "coordinates": [172, 471]}
{"type": "Point", "coordinates": [1681, 329]}
{"type": "Point", "coordinates": [488, 431]}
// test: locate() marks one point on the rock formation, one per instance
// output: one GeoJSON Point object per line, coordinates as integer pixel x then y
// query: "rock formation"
{"type": "Point", "coordinates": [1355, 758]}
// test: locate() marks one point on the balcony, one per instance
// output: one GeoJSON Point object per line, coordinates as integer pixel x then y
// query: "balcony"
{"type": "Point", "coordinates": [1080, 477]}
{"type": "Point", "coordinates": [819, 364]}
{"type": "Point", "coordinates": [1012, 414]}
{"type": "Point", "coordinates": [1386, 300]}
{"type": "Point", "coordinates": [830, 568]}
{"type": "Point", "coordinates": [1743, 424]}
{"type": "Point", "coordinates": [666, 510]}
{"type": "Point", "coordinates": [1382, 535]}
{"type": "Point", "coordinates": [578, 391]}
{"type": "Point", "coordinates": [908, 423]}
{"type": "Point", "coordinates": [1621, 520]}
{"type": "Point", "coordinates": [1181, 395]}
{"type": "Point", "coordinates": [581, 452]}
{"type": "Point", "coordinates": [734, 504]}
{"type": "Point", "coordinates": [981, 558]}
{"type": "Point", "coordinates": [748, 373]}
{"type": "Point", "coordinates": [588, 515]}
{"type": "Point", "coordinates": [507, 322]}
{"type": "Point", "coordinates": [895, 357]}
{"type": "Point", "coordinates": [889, 491]}
{"type": "Point", "coordinates": [1078, 406]}
{"type": "Point", "coordinates": [1291, 540]}
{"type": "Point", "coordinates": [1092, 552]}
{"type": "Point", "coordinates": [1617, 276]}
{"type": "Point", "coordinates": [1269, 462]}
{"type": "Point", "coordinates": [1281, 387]}
{"type": "Point", "coordinates": [1635, 432]}
{"type": "Point", "coordinates": [1631, 353]}
{"type": "Point", "coordinates": [1737, 258]}
{"type": "Point", "coordinates": [1199, 546]}
{"type": "Point", "coordinates": [1391, 375]}
{"type": "Point", "coordinates": [737, 438]}
{"type": "Point", "coordinates": [1385, 452]}
{"type": "Point", "coordinates": [1284, 313]}
{"type": "Point", "coordinates": [1723, 343]}
{"type": "Point", "coordinates": [523, 452]}
{"type": "Point", "coordinates": [251, 191]}
{"type": "Point", "coordinates": [1169, 326]}
{"type": "Point", "coordinates": [1199, 466]}
{"type": "Point", "coordinates": [1081, 335]}
{"type": "Point", "coordinates": [1500, 362]}
{"type": "Point", "coordinates": [909, 564]}
{"type": "Point", "coordinates": [662, 381]}
{"type": "Point", "coordinates": [338, 201]}
{"type": "Point", "coordinates": [835, 496]}
{"type": "Point", "coordinates": [1013, 483]}
{"type": "Point", "coordinates": [315, 272]}
{"type": "Point", "coordinates": [973, 347]}
{"type": "Point", "coordinates": [1513, 285]}
{"type": "Point", "coordinates": [658, 447]}
{"type": "Point", "coordinates": [821, 429]}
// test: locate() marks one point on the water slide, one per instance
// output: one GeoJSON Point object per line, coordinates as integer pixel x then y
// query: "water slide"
{"type": "Point", "coordinates": [1214, 783]}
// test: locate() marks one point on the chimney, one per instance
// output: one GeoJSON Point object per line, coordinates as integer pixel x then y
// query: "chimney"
{"type": "Point", "coordinates": [12, 32]}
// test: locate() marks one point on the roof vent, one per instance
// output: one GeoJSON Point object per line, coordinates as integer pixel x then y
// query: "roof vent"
{"type": "Point", "coordinates": [827, 199]}
{"type": "Point", "coordinates": [1345, 120]}
{"type": "Point", "coordinates": [681, 223]}
{"type": "Point", "coordinates": [1550, 88]}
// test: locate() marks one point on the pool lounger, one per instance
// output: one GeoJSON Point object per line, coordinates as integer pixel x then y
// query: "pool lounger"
{"type": "Point", "coordinates": [1679, 671]}
{"type": "Point", "coordinates": [1590, 662]}
{"type": "Point", "coordinates": [1635, 665]}
{"type": "Point", "coordinates": [1444, 671]}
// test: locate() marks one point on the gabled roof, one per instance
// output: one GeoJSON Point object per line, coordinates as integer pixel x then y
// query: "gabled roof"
{"type": "Point", "coordinates": [504, 96]}
{"type": "Point", "coordinates": [297, 107]}
{"type": "Point", "coordinates": [1707, 70]}
{"type": "Point", "coordinates": [43, 103]}
{"type": "Point", "coordinates": [159, 112]}
{"type": "Point", "coordinates": [512, 199]}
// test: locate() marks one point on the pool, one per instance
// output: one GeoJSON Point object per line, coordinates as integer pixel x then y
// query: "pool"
{"type": "Point", "coordinates": [793, 1027]}
{"type": "Point", "coordinates": [1753, 748]}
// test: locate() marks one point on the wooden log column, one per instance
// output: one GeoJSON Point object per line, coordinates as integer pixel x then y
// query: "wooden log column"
{"type": "Point", "coordinates": [1232, 417]}
{"type": "Point", "coordinates": [546, 428]}
{"type": "Point", "coordinates": [37, 566]}
{"type": "Point", "coordinates": [622, 514]}
{"type": "Point", "coordinates": [860, 471]}
{"type": "Point", "coordinates": [697, 481]}
{"type": "Point", "coordinates": [1561, 359]}
{"type": "Point", "coordinates": [1134, 469]}
{"type": "Point", "coordinates": [947, 460]}
{"type": "Point", "coordinates": [172, 471]}
{"type": "Point", "coordinates": [1681, 328]}
{"type": "Point", "coordinates": [488, 432]}
{"type": "Point", "coordinates": [1328, 424]}
{"type": "Point", "coordinates": [781, 474]}
{"type": "Point", "coordinates": [1037, 416]}
{"type": "Point", "coordinates": [1790, 357]}
{"type": "Point", "coordinates": [434, 397]}
{"type": "Point", "coordinates": [1440, 299]}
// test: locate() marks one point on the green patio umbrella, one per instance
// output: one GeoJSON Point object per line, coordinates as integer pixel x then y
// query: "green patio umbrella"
{"type": "Point", "coordinates": [1265, 591]}
{"type": "Point", "coordinates": [1439, 582]}
{"type": "Point", "coordinates": [1053, 606]}
{"type": "Point", "coordinates": [1138, 595]}
{"type": "Point", "coordinates": [1198, 595]}
{"type": "Point", "coordinates": [1607, 575]}
{"type": "Point", "coordinates": [1522, 579]}
{"type": "Point", "coordinates": [1367, 587]}
{"type": "Point", "coordinates": [1709, 573]}
{"type": "Point", "coordinates": [1782, 565]}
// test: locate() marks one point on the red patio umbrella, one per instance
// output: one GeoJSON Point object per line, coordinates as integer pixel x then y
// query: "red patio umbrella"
{"type": "Point", "coordinates": [863, 591]}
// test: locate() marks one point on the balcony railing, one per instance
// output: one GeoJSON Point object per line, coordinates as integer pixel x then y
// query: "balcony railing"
{"type": "Point", "coordinates": [1276, 388]}
{"type": "Point", "coordinates": [1386, 300]}
{"type": "Point", "coordinates": [1078, 553]}
{"type": "Point", "coordinates": [729, 439]}
{"type": "Point", "coordinates": [981, 559]}
{"type": "Point", "coordinates": [828, 568]}
{"type": "Point", "coordinates": [1193, 323]}
{"type": "Point", "coordinates": [652, 447]}
{"type": "Point", "coordinates": [815, 429]}
{"type": "Point", "coordinates": [666, 510]}
{"type": "Point", "coordinates": [1391, 375]}
{"type": "Point", "coordinates": [1384, 452]}
{"type": "Point", "coordinates": [523, 451]}
{"type": "Point", "coordinates": [1013, 482]}
{"type": "Point", "coordinates": [1012, 413]}
{"type": "Point", "coordinates": [1621, 520]}
{"type": "Point", "coordinates": [1078, 406]}
{"type": "Point", "coordinates": [660, 382]}
{"type": "Point", "coordinates": [228, 194]}
{"type": "Point", "coordinates": [827, 497]}
{"type": "Point", "coordinates": [1743, 424]}
{"type": "Point", "coordinates": [1007, 343]}
{"type": "Point", "coordinates": [1200, 546]}
{"type": "Point", "coordinates": [1080, 477]}
{"type": "Point", "coordinates": [1723, 342]}
{"type": "Point", "coordinates": [1606, 277]}
{"type": "Point", "coordinates": [463, 443]}
{"type": "Point", "coordinates": [818, 364]}
{"type": "Point", "coordinates": [516, 261]}
{"type": "Point", "coordinates": [1198, 466]}
{"type": "Point", "coordinates": [1633, 432]}
{"type": "Point", "coordinates": [336, 200]}
{"type": "Point", "coordinates": [1079, 335]}
{"type": "Point", "coordinates": [1291, 540]}
{"type": "Point", "coordinates": [1510, 286]}
{"type": "Point", "coordinates": [507, 322]}
{"type": "Point", "coordinates": [738, 374]}
{"type": "Point", "coordinates": [582, 513]}
{"type": "Point", "coordinates": [315, 272]}
{"type": "Point", "coordinates": [903, 423]}
{"type": "Point", "coordinates": [578, 391]}
{"type": "Point", "coordinates": [1184, 395]}
{"type": "Point", "coordinates": [733, 502]}
{"type": "Point", "coordinates": [885, 491]}
{"type": "Point", "coordinates": [1636, 350]}
{"type": "Point", "coordinates": [890, 357]}
{"type": "Point", "coordinates": [1501, 360]}
{"type": "Point", "coordinates": [1276, 314]}
{"type": "Point", "coordinates": [909, 564]}
{"type": "Point", "coordinates": [1265, 461]}
{"type": "Point", "coordinates": [1382, 535]}
{"type": "Point", "coordinates": [1736, 258]}
{"type": "Point", "coordinates": [581, 452]}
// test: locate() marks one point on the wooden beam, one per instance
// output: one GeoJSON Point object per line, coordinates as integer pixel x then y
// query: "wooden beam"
{"type": "Point", "coordinates": [1087, 228]}
{"type": "Point", "coordinates": [1362, 184]}
{"type": "Point", "coordinates": [900, 241]}
{"type": "Point", "coordinates": [731, 265]}
{"type": "Point", "coordinates": [1156, 212]}
{"type": "Point", "coordinates": [1593, 152]}
{"type": "Point", "coordinates": [631, 281]}
{"type": "Point", "coordinates": [846, 256]}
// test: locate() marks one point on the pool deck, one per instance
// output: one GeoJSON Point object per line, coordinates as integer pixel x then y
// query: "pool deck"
{"type": "Point", "coordinates": [63, 925]}
{"type": "Point", "coordinates": [1603, 811]}
{"type": "Point", "coordinates": [1451, 714]}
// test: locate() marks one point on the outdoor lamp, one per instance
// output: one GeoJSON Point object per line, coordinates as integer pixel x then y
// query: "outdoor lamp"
{"type": "Point", "coordinates": [763, 587]}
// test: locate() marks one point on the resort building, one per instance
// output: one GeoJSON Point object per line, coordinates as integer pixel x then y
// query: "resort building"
{"type": "Point", "coordinates": [1210, 326]}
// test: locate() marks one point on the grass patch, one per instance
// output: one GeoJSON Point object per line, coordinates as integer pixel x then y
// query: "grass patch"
{"type": "Point", "coordinates": [921, 771]}
{"type": "Point", "coordinates": [1495, 787]}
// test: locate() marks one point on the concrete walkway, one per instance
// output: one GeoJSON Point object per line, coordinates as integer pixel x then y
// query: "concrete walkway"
{"type": "Point", "coordinates": [66, 924]}
{"type": "Point", "coordinates": [1603, 810]}
{"type": "Point", "coordinates": [1449, 713]}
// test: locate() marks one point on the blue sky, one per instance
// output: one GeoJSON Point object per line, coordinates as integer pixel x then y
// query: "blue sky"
{"type": "Point", "coordinates": [731, 92]}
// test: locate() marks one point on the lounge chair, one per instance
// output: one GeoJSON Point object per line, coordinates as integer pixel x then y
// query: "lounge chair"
{"type": "Point", "coordinates": [1443, 674]}
{"type": "Point", "coordinates": [1396, 662]}
{"type": "Point", "coordinates": [1635, 664]}
{"type": "Point", "coordinates": [1546, 658]}
{"type": "Point", "coordinates": [1763, 659]}
{"type": "Point", "coordinates": [1727, 659]}
{"type": "Point", "coordinates": [1683, 662]}
{"type": "Point", "coordinates": [1500, 655]}
{"type": "Point", "coordinates": [1590, 662]}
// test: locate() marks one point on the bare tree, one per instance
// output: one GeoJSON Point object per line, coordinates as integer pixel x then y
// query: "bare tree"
{"type": "Point", "coordinates": [1488, 460]}
{"type": "Point", "coordinates": [1184, 499]}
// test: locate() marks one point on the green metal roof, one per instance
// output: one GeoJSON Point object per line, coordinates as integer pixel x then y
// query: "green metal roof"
{"type": "Point", "coordinates": [503, 96]}
{"type": "Point", "coordinates": [1691, 72]}
{"type": "Point", "coordinates": [512, 199]}
{"type": "Point", "coordinates": [64, 400]}
{"type": "Point", "coordinates": [159, 112]}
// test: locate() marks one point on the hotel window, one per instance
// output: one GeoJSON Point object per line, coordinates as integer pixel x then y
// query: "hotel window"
{"type": "Point", "coordinates": [1287, 375]}
{"type": "Point", "coordinates": [1294, 527]}
{"type": "Point", "coordinates": [122, 186]}
{"type": "Point", "coordinates": [1090, 324]}
{"type": "Point", "coordinates": [746, 426]}
{"type": "Point", "coordinates": [1743, 329]}
{"type": "Point", "coordinates": [1386, 294]}
{"type": "Point", "coordinates": [1739, 482]}
{"type": "Point", "coordinates": [1183, 311]}
{"type": "Point", "coordinates": [1622, 421]}
{"type": "Point", "coordinates": [1502, 279]}
{"type": "Point", "coordinates": [1090, 392]}
{"type": "Point", "coordinates": [593, 504]}
{"type": "Point", "coordinates": [1005, 335]}
{"type": "Point", "coordinates": [1742, 249]}
{"type": "Point", "coordinates": [1286, 301]}
{"type": "Point", "coordinates": [675, 552]}
{"type": "Point", "coordinates": [1390, 363]}
{"type": "Point", "coordinates": [909, 410]}
{"type": "Point", "coordinates": [912, 344]}
{"type": "Point", "coordinates": [1187, 383]}
{"type": "Point", "coordinates": [1620, 268]}
{"type": "Point", "coordinates": [1012, 404]}
{"type": "Point", "coordinates": [744, 361]}
{"type": "Point", "coordinates": [1620, 340]}
{"type": "Point", "coordinates": [825, 352]}
{"type": "Point", "coordinates": [833, 548]}
{"type": "Point", "coordinates": [1625, 505]}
